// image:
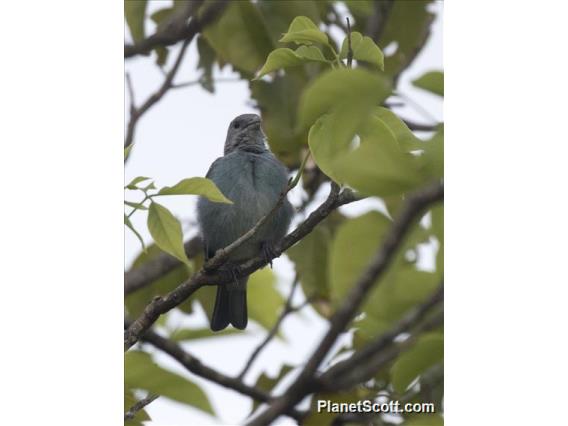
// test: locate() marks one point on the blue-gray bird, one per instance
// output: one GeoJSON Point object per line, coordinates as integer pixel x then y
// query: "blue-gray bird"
{"type": "Point", "coordinates": [253, 179]}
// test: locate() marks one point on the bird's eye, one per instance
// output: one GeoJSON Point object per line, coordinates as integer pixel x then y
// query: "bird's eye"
{"type": "Point", "coordinates": [237, 125]}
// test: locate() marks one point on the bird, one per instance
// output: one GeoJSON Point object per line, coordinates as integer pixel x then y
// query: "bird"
{"type": "Point", "coordinates": [251, 177]}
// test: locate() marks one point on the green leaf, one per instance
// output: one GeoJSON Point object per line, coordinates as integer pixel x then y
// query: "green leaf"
{"type": "Point", "coordinates": [136, 302]}
{"type": "Point", "coordinates": [207, 59]}
{"type": "Point", "coordinates": [438, 221]}
{"type": "Point", "coordinates": [310, 257]}
{"type": "Point", "coordinates": [433, 157]}
{"type": "Point", "coordinates": [136, 206]}
{"type": "Point", "coordinates": [361, 8]}
{"type": "Point", "coordinates": [164, 18]}
{"type": "Point", "coordinates": [342, 90]}
{"type": "Point", "coordinates": [400, 287]}
{"type": "Point", "coordinates": [239, 37]}
{"type": "Point", "coordinates": [438, 230]}
{"type": "Point", "coordinates": [303, 31]}
{"type": "Point", "coordinates": [134, 182]}
{"type": "Point", "coordinates": [428, 351]}
{"type": "Point", "coordinates": [349, 96]}
{"type": "Point", "coordinates": [140, 372]}
{"type": "Point", "coordinates": [279, 14]}
{"type": "Point", "coordinates": [129, 401]}
{"type": "Point", "coordinates": [284, 58]}
{"type": "Point", "coordinates": [376, 166]}
{"type": "Point", "coordinates": [264, 301]}
{"type": "Point", "coordinates": [352, 249]}
{"type": "Point", "coordinates": [166, 231]}
{"type": "Point", "coordinates": [267, 383]}
{"type": "Point", "coordinates": [407, 25]}
{"type": "Point", "coordinates": [196, 186]}
{"type": "Point", "coordinates": [149, 186]}
{"type": "Point", "coordinates": [404, 137]}
{"type": "Point", "coordinates": [367, 330]}
{"type": "Point", "coordinates": [424, 420]}
{"type": "Point", "coordinates": [432, 81]}
{"type": "Point", "coordinates": [129, 225]}
{"type": "Point", "coordinates": [278, 101]}
{"type": "Point", "coordinates": [135, 13]}
{"type": "Point", "coordinates": [201, 333]}
{"type": "Point", "coordinates": [364, 49]}
{"type": "Point", "coordinates": [127, 150]}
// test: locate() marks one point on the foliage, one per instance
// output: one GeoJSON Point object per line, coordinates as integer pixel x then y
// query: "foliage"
{"type": "Point", "coordinates": [311, 100]}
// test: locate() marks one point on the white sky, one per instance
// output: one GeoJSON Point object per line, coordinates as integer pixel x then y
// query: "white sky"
{"type": "Point", "coordinates": [179, 138]}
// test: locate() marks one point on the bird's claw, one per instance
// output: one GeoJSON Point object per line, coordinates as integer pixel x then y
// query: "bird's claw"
{"type": "Point", "coordinates": [268, 252]}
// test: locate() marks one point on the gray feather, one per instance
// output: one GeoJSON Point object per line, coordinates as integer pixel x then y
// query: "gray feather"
{"type": "Point", "coordinates": [253, 179]}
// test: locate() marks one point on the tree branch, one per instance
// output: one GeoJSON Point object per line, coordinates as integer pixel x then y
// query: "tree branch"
{"type": "Point", "coordinates": [145, 274]}
{"type": "Point", "coordinates": [331, 377]}
{"type": "Point", "coordinates": [161, 305]}
{"type": "Point", "coordinates": [374, 364]}
{"type": "Point", "coordinates": [183, 31]}
{"type": "Point", "coordinates": [349, 48]}
{"type": "Point", "coordinates": [414, 206]}
{"type": "Point", "coordinates": [129, 415]}
{"type": "Point", "coordinates": [195, 366]}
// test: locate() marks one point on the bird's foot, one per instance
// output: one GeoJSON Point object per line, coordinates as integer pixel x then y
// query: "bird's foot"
{"type": "Point", "coordinates": [236, 272]}
{"type": "Point", "coordinates": [268, 252]}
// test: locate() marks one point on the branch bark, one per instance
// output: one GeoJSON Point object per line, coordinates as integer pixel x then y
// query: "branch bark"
{"type": "Point", "coordinates": [140, 277]}
{"type": "Point", "coordinates": [332, 378]}
{"type": "Point", "coordinates": [131, 413]}
{"type": "Point", "coordinates": [304, 383]}
{"type": "Point", "coordinates": [174, 33]}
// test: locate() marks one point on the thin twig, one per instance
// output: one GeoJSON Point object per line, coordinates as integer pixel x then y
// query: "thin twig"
{"type": "Point", "coordinates": [417, 107]}
{"type": "Point", "coordinates": [175, 33]}
{"type": "Point", "coordinates": [196, 82]}
{"type": "Point", "coordinates": [349, 48]}
{"type": "Point", "coordinates": [143, 275]}
{"type": "Point", "coordinates": [131, 413]}
{"type": "Point", "coordinates": [130, 93]}
{"type": "Point", "coordinates": [337, 19]}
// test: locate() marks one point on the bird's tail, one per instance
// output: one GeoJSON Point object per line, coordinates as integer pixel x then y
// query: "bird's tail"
{"type": "Point", "coordinates": [230, 306]}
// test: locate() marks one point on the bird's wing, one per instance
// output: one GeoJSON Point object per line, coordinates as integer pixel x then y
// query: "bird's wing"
{"type": "Point", "coordinates": [214, 165]}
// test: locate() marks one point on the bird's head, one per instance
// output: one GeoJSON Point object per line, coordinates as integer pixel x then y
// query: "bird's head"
{"type": "Point", "coordinates": [245, 133]}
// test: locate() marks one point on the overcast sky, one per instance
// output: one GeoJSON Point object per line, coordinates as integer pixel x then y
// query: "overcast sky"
{"type": "Point", "coordinates": [179, 138]}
